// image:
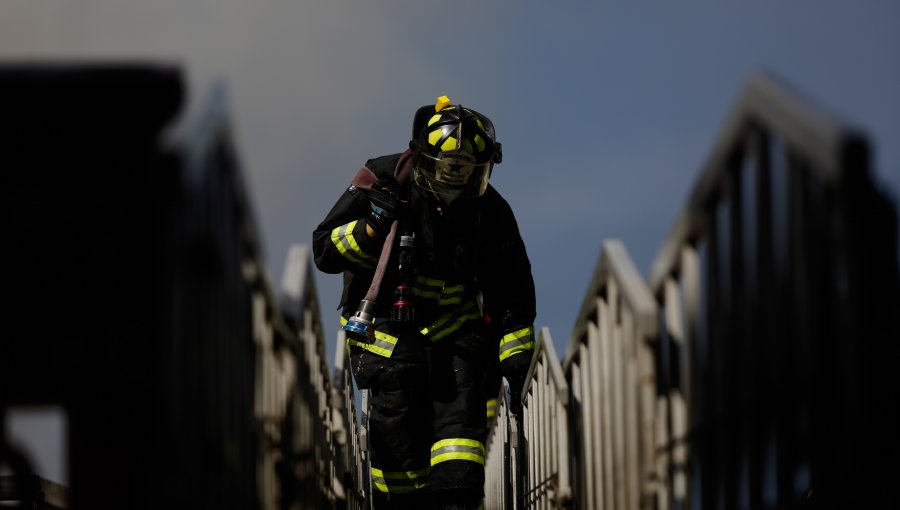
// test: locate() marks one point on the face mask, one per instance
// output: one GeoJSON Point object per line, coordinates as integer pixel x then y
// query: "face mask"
{"type": "Point", "coordinates": [451, 177]}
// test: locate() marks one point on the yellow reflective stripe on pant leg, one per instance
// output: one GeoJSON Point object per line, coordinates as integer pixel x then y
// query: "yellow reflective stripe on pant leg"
{"type": "Point", "coordinates": [491, 407]}
{"type": "Point", "coordinates": [383, 345]}
{"type": "Point", "coordinates": [400, 482]}
{"type": "Point", "coordinates": [518, 341]}
{"type": "Point", "coordinates": [457, 449]}
{"type": "Point", "coordinates": [343, 240]}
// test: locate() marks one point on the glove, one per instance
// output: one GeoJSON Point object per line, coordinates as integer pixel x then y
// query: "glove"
{"type": "Point", "coordinates": [515, 376]}
{"type": "Point", "coordinates": [385, 202]}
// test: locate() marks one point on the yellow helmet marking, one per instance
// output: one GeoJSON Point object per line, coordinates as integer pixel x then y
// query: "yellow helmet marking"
{"type": "Point", "coordinates": [434, 118]}
{"type": "Point", "coordinates": [442, 102]}
{"type": "Point", "coordinates": [435, 136]}
{"type": "Point", "coordinates": [479, 141]}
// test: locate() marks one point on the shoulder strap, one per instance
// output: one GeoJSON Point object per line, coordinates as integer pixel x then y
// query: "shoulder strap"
{"type": "Point", "coordinates": [404, 164]}
{"type": "Point", "coordinates": [366, 176]}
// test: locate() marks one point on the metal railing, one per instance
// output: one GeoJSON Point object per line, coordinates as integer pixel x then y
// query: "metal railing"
{"type": "Point", "coordinates": [302, 464]}
{"type": "Point", "coordinates": [297, 440]}
{"type": "Point", "coordinates": [501, 485]}
{"type": "Point", "coordinates": [185, 381]}
{"type": "Point", "coordinates": [609, 367]}
{"type": "Point", "coordinates": [352, 418]}
{"type": "Point", "coordinates": [545, 426]}
{"type": "Point", "coordinates": [589, 425]}
{"type": "Point", "coordinates": [753, 370]}
{"type": "Point", "coordinates": [302, 454]}
{"type": "Point", "coordinates": [532, 471]}
{"type": "Point", "coordinates": [303, 420]}
{"type": "Point", "coordinates": [778, 290]}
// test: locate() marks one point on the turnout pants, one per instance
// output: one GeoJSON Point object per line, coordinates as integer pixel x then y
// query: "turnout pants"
{"type": "Point", "coordinates": [427, 419]}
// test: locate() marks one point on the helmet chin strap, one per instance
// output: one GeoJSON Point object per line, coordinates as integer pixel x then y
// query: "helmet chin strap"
{"type": "Point", "coordinates": [441, 199]}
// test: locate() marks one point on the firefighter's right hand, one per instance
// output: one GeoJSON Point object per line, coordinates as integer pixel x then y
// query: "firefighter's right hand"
{"type": "Point", "coordinates": [385, 202]}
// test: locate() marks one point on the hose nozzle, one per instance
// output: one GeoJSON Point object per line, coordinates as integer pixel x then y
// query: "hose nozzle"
{"type": "Point", "coordinates": [363, 320]}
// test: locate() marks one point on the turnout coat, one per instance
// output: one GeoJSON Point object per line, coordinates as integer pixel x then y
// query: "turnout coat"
{"type": "Point", "coordinates": [472, 266]}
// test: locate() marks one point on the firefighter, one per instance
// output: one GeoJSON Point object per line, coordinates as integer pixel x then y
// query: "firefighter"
{"type": "Point", "coordinates": [437, 293]}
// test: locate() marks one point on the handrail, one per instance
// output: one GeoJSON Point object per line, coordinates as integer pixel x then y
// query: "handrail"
{"type": "Point", "coordinates": [294, 404]}
{"type": "Point", "coordinates": [545, 402]}
{"type": "Point", "coordinates": [609, 368]}
{"type": "Point", "coordinates": [774, 279]}
{"type": "Point", "coordinates": [768, 102]}
{"type": "Point", "coordinates": [355, 454]}
{"type": "Point", "coordinates": [615, 265]}
{"type": "Point", "coordinates": [176, 347]}
{"type": "Point", "coordinates": [545, 343]}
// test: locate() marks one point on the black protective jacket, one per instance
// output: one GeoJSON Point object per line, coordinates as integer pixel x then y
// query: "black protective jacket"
{"type": "Point", "coordinates": [471, 263]}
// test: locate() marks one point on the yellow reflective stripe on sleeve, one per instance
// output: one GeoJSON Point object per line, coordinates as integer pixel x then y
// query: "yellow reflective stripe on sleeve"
{"type": "Point", "coordinates": [457, 449]}
{"type": "Point", "coordinates": [491, 407]}
{"type": "Point", "coordinates": [383, 345]}
{"type": "Point", "coordinates": [400, 482]}
{"type": "Point", "coordinates": [518, 341]}
{"type": "Point", "coordinates": [343, 240]}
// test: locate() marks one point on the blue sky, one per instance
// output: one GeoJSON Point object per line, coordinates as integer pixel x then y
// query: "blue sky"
{"type": "Point", "coordinates": [606, 110]}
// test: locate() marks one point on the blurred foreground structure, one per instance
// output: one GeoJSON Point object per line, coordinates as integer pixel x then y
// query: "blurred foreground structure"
{"type": "Point", "coordinates": [751, 369]}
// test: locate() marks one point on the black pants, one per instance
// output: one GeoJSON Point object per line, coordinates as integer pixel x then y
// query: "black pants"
{"type": "Point", "coordinates": [427, 421]}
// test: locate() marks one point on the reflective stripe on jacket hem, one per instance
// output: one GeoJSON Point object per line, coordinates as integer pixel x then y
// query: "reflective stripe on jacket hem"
{"type": "Point", "coordinates": [448, 323]}
{"type": "Point", "coordinates": [383, 345]}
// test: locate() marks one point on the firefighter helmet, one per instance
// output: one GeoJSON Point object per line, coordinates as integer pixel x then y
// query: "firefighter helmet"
{"type": "Point", "coordinates": [455, 150]}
